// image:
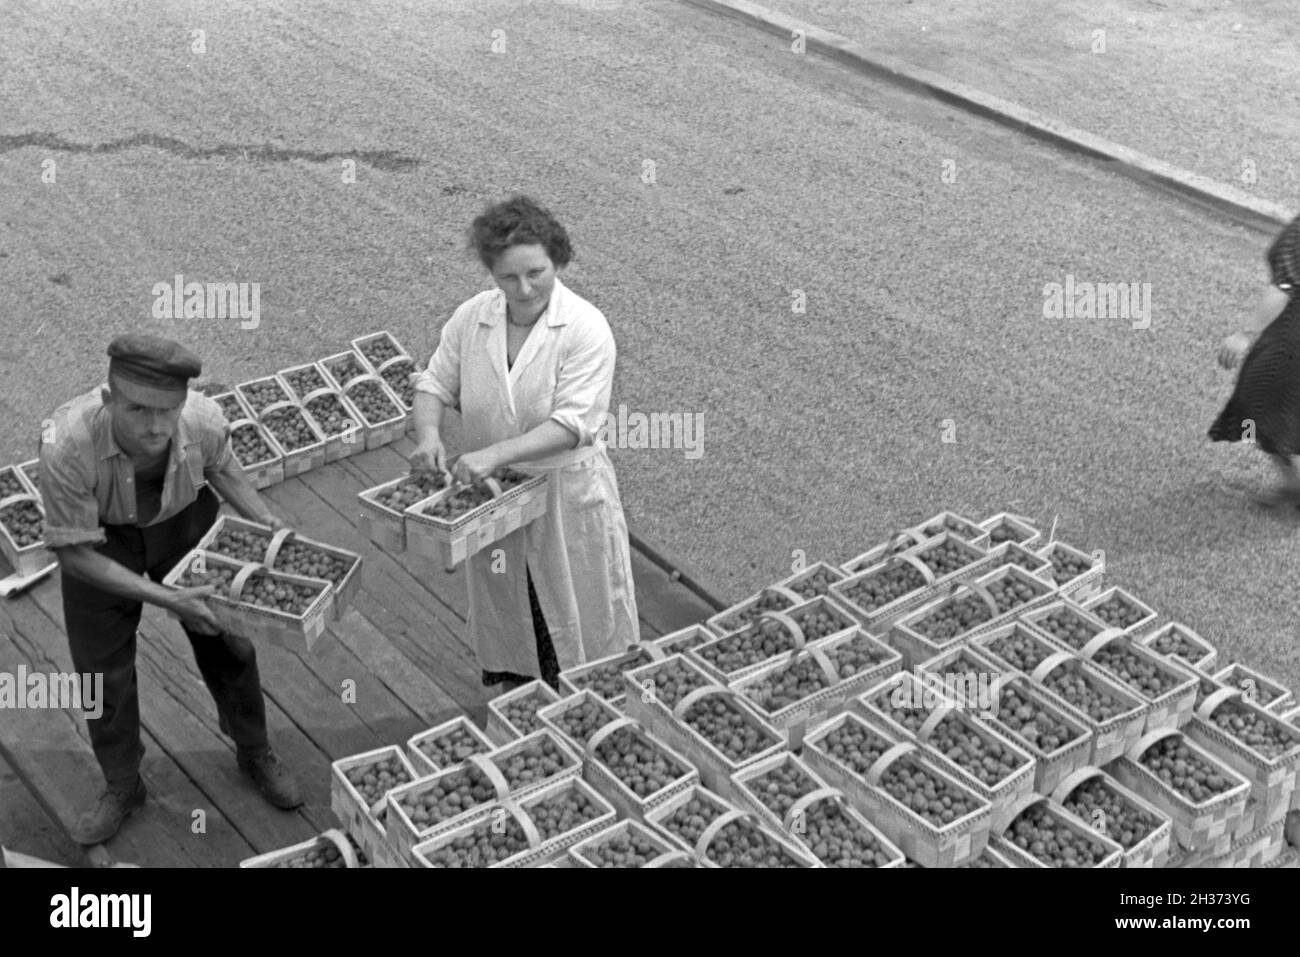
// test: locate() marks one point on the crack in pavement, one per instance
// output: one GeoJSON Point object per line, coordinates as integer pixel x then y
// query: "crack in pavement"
{"type": "Point", "coordinates": [386, 160]}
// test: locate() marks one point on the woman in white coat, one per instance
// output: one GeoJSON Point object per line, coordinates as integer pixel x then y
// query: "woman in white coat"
{"type": "Point", "coordinates": [529, 366]}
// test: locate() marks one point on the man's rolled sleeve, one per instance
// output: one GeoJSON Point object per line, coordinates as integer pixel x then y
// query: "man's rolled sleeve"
{"type": "Point", "coordinates": [585, 379]}
{"type": "Point", "coordinates": [71, 510]}
{"type": "Point", "coordinates": [442, 378]}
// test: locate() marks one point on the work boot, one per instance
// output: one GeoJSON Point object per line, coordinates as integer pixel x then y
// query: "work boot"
{"type": "Point", "coordinates": [273, 779]}
{"type": "Point", "coordinates": [113, 807]}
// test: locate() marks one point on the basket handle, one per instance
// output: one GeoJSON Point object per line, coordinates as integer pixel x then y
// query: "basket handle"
{"type": "Point", "coordinates": [1048, 665]}
{"type": "Point", "coordinates": [883, 762]}
{"type": "Point", "coordinates": [701, 692]}
{"type": "Point", "coordinates": [788, 593]}
{"type": "Point", "coordinates": [916, 536]}
{"type": "Point", "coordinates": [668, 857]}
{"type": "Point", "coordinates": [493, 774]}
{"type": "Point", "coordinates": [1099, 641]}
{"type": "Point", "coordinates": [274, 406]}
{"type": "Point", "coordinates": [347, 386]}
{"type": "Point", "coordinates": [21, 497]}
{"type": "Point", "coordinates": [525, 822]}
{"type": "Point", "coordinates": [1014, 809]}
{"type": "Point", "coordinates": [812, 797]}
{"type": "Point", "coordinates": [242, 576]}
{"type": "Point", "coordinates": [929, 724]}
{"type": "Point", "coordinates": [317, 393]}
{"type": "Point", "coordinates": [341, 841]}
{"type": "Point", "coordinates": [1212, 702]}
{"type": "Point", "coordinates": [387, 363]}
{"type": "Point", "coordinates": [979, 590]}
{"type": "Point", "coordinates": [1000, 681]}
{"type": "Point", "coordinates": [604, 731]}
{"type": "Point", "coordinates": [718, 823]}
{"type": "Point", "coordinates": [1073, 780]}
{"type": "Point", "coordinates": [273, 548]}
{"type": "Point", "coordinates": [1141, 744]}
{"type": "Point", "coordinates": [909, 559]}
{"type": "Point", "coordinates": [789, 624]}
{"type": "Point", "coordinates": [828, 667]}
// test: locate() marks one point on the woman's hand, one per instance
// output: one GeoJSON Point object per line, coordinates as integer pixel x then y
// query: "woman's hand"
{"type": "Point", "coordinates": [473, 467]}
{"type": "Point", "coordinates": [1233, 349]}
{"type": "Point", "coordinates": [429, 456]}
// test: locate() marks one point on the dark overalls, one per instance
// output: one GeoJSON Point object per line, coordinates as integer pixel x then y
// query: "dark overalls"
{"type": "Point", "coordinates": [102, 635]}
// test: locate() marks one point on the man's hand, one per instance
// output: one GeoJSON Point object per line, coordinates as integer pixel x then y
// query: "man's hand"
{"type": "Point", "coordinates": [190, 606]}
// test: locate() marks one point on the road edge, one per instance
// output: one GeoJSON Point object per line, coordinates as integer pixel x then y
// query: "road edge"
{"type": "Point", "coordinates": [1239, 205]}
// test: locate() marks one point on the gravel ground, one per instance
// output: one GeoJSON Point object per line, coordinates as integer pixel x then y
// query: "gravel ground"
{"type": "Point", "coordinates": [823, 431]}
{"type": "Point", "coordinates": [1212, 86]}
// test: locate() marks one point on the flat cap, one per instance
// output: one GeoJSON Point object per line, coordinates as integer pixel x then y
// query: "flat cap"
{"type": "Point", "coordinates": [151, 371]}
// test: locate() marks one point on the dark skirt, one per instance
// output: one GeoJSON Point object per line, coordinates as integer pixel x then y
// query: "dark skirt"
{"type": "Point", "coordinates": [545, 649]}
{"type": "Point", "coordinates": [1268, 390]}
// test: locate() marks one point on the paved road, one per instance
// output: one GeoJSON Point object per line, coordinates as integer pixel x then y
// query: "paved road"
{"type": "Point", "coordinates": [773, 174]}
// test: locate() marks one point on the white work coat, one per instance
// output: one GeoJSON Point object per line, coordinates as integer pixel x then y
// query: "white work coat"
{"type": "Point", "coordinates": [578, 551]}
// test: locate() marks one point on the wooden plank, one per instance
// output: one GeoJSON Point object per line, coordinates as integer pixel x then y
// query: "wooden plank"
{"type": "Point", "coordinates": [179, 717]}
{"type": "Point", "coordinates": [51, 752]}
{"type": "Point", "coordinates": [393, 599]}
{"type": "Point", "coordinates": [187, 723]}
{"type": "Point", "coordinates": [307, 510]}
{"type": "Point", "coordinates": [397, 672]}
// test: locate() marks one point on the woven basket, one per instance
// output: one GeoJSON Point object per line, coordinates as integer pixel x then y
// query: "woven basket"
{"type": "Point", "coordinates": [269, 471]}
{"type": "Point", "coordinates": [288, 376]}
{"type": "Point", "coordinates": [1207, 825]}
{"type": "Point", "coordinates": [285, 393]}
{"type": "Point", "coordinates": [1017, 528]}
{"type": "Point", "coordinates": [360, 818]}
{"type": "Point", "coordinates": [1153, 848]}
{"type": "Point", "coordinates": [377, 432]}
{"type": "Point", "coordinates": [338, 445]}
{"type": "Point", "coordinates": [305, 457]}
{"type": "Point", "coordinates": [1008, 848]}
{"type": "Point", "coordinates": [499, 727]}
{"type": "Point", "coordinates": [627, 802]}
{"type": "Point", "coordinates": [24, 559]}
{"type": "Point", "coordinates": [342, 594]}
{"type": "Point", "coordinates": [281, 857]}
{"type": "Point", "coordinates": [1086, 584]}
{"type": "Point", "coordinates": [454, 540]}
{"type": "Point", "coordinates": [425, 764]}
{"type": "Point", "coordinates": [295, 632]}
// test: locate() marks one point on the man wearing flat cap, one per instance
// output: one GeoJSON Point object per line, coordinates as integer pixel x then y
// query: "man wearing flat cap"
{"type": "Point", "coordinates": [127, 476]}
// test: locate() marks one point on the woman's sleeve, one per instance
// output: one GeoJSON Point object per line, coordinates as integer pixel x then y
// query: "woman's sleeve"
{"type": "Point", "coordinates": [585, 378]}
{"type": "Point", "coordinates": [442, 377]}
{"type": "Point", "coordinates": [1284, 257]}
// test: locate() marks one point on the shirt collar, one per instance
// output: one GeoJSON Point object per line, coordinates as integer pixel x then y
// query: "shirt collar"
{"type": "Point", "coordinates": [554, 314]}
{"type": "Point", "coordinates": [106, 443]}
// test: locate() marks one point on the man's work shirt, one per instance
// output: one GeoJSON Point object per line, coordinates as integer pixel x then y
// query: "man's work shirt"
{"type": "Point", "coordinates": [88, 482]}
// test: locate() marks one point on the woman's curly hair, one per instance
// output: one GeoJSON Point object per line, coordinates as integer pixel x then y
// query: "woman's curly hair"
{"type": "Point", "coordinates": [518, 221]}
